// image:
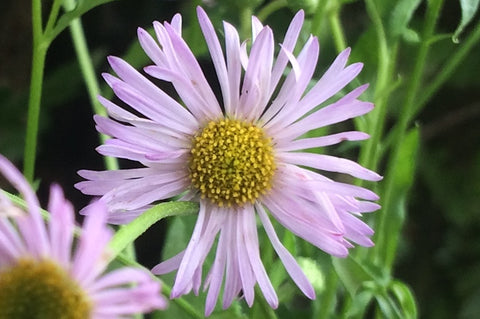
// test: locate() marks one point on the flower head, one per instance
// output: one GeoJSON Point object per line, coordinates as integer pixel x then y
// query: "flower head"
{"type": "Point", "coordinates": [240, 157]}
{"type": "Point", "coordinates": [43, 276]}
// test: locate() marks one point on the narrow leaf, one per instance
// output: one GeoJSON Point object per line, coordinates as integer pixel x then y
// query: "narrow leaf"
{"type": "Point", "coordinates": [401, 15]}
{"type": "Point", "coordinates": [404, 177]}
{"type": "Point", "coordinates": [405, 299]}
{"type": "Point", "coordinates": [351, 273]}
{"type": "Point", "coordinates": [469, 8]}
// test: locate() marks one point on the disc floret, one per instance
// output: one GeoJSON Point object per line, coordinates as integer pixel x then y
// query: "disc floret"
{"type": "Point", "coordinates": [232, 162]}
{"type": "Point", "coordinates": [42, 290]}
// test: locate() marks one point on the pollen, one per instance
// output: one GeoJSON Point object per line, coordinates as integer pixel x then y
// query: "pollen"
{"type": "Point", "coordinates": [41, 290]}
{"type": "Point", "coordinates": [232, 162]}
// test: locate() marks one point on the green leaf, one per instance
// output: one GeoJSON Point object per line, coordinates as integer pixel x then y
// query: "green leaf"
{"type": "Point", "coordinates": [469, 8]}
{"type": "Point", "coordinates": [388, 307]}
{"type": "Point", "coordinates": [410, 36]}
{"type": "Point", "coordinates": [178, 235]}
{"type": "Point", "coordinates": [314, 272]}
{"type": "Point", "coordinates": [405, 299]}
{"type": "Point", "coordinates": [404, 176]}
{"type": "Point", "coordinates": [401, 15]}
{"type": "Point", "coordinates": [384, 7]}
{"type": "Point", "coordinates": [352, 274]}
{"type": "Point", "coordinates": [405, 168]}
{"type": "Point", "coordinates": [128, 233]}
{"type": "Point", "coordinates": [360, 303]}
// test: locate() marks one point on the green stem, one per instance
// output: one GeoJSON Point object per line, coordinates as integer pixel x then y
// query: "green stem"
{"type": "Point", "coordinates": [36, 83]}
{"type": "Point", "coordinates": [369, 153]}
{"type": "Point", "coordinates": [347, 305]}
{"type": "Point", "coordinates": [447, 69]}
{"type": "Point", "coordinates": [270, 8]}
{"type": "Point", "coordinates": [336, 27]}
{"type": "Point", "coordinates": [317, 21]}
{"type": "Point", "coordinates": [328, 297]}
{"type": "Point", "coordinates": [88, 72]}
{"type": "Point", "coordinates": [52, 18]}
{"type": "Point", "coordinates": [128, 233]}
{"type": "Point", "coordinates": [40, 47]}
{"type": "Point", "coordinates": [383, 256]}
{"type": "Point", "coordinates": [245, 22]}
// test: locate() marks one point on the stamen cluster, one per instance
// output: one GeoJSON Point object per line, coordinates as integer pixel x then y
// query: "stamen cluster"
{"type": "Point", "coordinates": [232, 162]}
{"type": "Point", "coordinates": [42, 290]}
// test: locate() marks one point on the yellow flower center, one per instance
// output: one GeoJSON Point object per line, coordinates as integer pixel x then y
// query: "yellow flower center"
{"type": "Point", "coordinates": [41, 290]}
{"type": "Point", "coordinates": [232, 162]}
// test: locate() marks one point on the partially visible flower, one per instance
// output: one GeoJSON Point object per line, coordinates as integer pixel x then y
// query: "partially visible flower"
{"type": "Point", "coordinates": [45, 273]}
{"type": "Point", "coordinates": [239, 159]}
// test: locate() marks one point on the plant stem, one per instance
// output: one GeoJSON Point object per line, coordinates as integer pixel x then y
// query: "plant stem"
{"type": "Point", "coordinates": [329, 295]}
{"type": "Point", "coordinates": [128, 233]}
{"type": "Point", "coordinates": [88, 72]}
{"type": "Point", "coordinates": [383, 238]}
{"type": "Point", "coordinates": [336, 27]}
{"type": "Point", "coordinates": [36, 83]}
{"type": "Point", "coordinates": [245, 22]}
{"type": "Point", "coordinates": [39, 53]}
{"type": "Point", "coordinates": [270, 8]}
{"type": "Point", "coordinates": [448, 68]}
{"type": "Point", "coordinates": [52, 18]}
{"type": "Point", "coordinates": [369, 153]}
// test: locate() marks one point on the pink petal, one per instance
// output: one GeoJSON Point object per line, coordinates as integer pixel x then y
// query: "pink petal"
{"type": "Point", "coordinates": [233, 283]}
{"type": "Point", "coordinates": [216, 54]}
{"type": "Point", "coordinates": [216, 275]}
{"type": "Point", "coordinates": [322, 141]}
{"type": "Point", "coordinates": [254, 94]}
{"type": "Point", "coordinates": [87, 261]}
{"type": "Point", "coordinates": [168, 265]}
{"type": "Point", "coordinates": [293, 269]}
{"type": "Point", "coordinates": [251, 244]}
{"type": "Point", "coordinates": [61, 226]}
{"type": "Point", "coordinates": [329, 163]}
{"type": "Point", "coordinates": [289, 44]}
{"type": "Point", "coordinates": [234, 67]}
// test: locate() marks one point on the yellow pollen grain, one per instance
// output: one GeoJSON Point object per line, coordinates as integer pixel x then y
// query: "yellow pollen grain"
{"type": "Point", "coordinates": [41, 290]}
{"type": "Point", "coordinates": [232, 162]}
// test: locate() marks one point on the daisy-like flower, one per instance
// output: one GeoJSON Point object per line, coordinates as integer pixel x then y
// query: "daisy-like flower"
{"type": "Point", "coordinates": [43, 276]}
{"type": "Point", "coordinates": [240, 157]}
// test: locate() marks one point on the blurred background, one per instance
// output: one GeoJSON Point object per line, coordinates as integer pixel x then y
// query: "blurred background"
{"type": "Point", "coordinates": [439, 254]}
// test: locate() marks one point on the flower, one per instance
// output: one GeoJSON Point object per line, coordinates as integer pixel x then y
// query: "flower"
{"type": "Point", "coordinates": [239, 159]}
{"type": "Point", "coordinates": [41, 276]}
